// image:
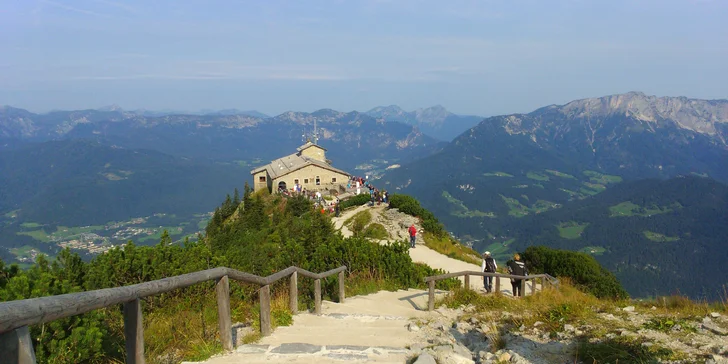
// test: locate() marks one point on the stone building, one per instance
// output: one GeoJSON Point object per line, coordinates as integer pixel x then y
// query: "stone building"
{"type": "Point", "coordinates": [308, 167]}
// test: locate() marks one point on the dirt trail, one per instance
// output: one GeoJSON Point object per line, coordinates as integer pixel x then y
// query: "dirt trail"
{"type": "Point", "coordinates": [396, 224]}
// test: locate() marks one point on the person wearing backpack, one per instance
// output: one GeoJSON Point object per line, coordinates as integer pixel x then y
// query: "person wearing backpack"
{"type": "Point", "coordinates": [489, 266]}
{"type": "Point", "coordinates": [516, 267]}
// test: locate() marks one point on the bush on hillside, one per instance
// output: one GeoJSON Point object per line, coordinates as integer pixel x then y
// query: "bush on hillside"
{"type": "Point", "coordinates": [261, 234]}
{"type": "Point", "coordinates": [582, 268]}
{"type": "Point", "coordinates": [357, 200]}
{"type": "Point", "coordinates": [410, 206]}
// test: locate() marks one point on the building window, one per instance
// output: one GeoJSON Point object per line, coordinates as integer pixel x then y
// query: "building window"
{"type": "Point", "coordinates": [333, 179]}
{"type": "Point", "coordinates": [318, 180]}
{"type": "Point", "coordinates": [261, 179]}
{"type": "Point", "coordinates": [295, 181]}
{"type": "Point", "coordinates": [305, 181]}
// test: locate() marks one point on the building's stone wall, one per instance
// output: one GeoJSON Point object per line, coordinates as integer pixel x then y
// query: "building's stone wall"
{"type": "Point", "coordinates": [314, 152]}
{"type": "Point", "coordinates": [306, 177]}
{"type": "Point", "coordinates": [258, 185]}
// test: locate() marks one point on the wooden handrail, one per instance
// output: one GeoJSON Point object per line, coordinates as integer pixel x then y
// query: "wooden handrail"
{"type": "Point", "coordinates": [15, 316]}
{"type": "Point", "coordinates": [432, 279]}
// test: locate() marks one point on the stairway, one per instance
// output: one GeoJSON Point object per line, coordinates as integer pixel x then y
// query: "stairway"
{"type": "Point", "coordinates": [372, 328]}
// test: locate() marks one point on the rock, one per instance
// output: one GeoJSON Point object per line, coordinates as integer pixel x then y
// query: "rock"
{"type": "Point", "coordinates": [647, 344]}
{"type": "Point", "coordinates": [628, 309]}
{"type": "Point", "coordinates": [569, 328]}
{"type": "Point", "coordinates": [714, 328]}
{"type": "Point", "coordinates": [578, 332]}
{"type": "Point", "coordinates": [485, 355]}
{"type": "Point", "coordinates": [252, 349]}
{"type": "Point", "coordinates": [610, 317]}
{"type": "Point", "coordinates": [537, 324]}
{"type": "Point", "coordinates": [676, 328]}
{"type": "Point", "coordinates": [714, 315]}
{"type": "Point", "coordinates": [296, 348]}
{"type": "Point", "coordinates": [504, 357]}
{"type": "Point", "coordinates": [417, 346]}
{"type": "Point", "coordinates": [412, 327]}
{"type": "Point", "coordinates": [462, 351]}
{"type": "Point", "coordinates": [653, 308]}
{"type": "Point", "coordinates": [473, 321]}
{"type": "Point", "coordinates": [425, 358]}
{"type": "Point", "coordinates": [522, 327]}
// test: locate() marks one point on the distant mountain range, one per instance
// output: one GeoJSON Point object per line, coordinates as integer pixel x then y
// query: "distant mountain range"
{"type": "Point", "coordinates": [353, 138]}
{"type": "Point", "coordinates": [435, 121]}
{"type": "Point", "coordinates": [487, 181]}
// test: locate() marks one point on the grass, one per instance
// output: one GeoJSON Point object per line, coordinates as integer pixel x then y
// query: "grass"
{"type": "Point", "coordinates": [497, 174]}
{"type": "Point", "coordinates": [171, 230]}
{"type": "Point", "coordinates": [537, 176]}
{"type": "Point", "coordinates": [560, 174]}
{"type": "Point", "coordinates": [624, 350]}
{"type": "Point", "coordinates": [460, 210]}
{"type": "Point", "coordinates": [660, 238]}
{"type": "Point", "coordinates": [629, 208]}
{"type": "Point", "coordinates": [516, 208]}
{"type": "Point", "coordinates": [593, 250]}
{"type": "Point", "coordinates": [30, 225]}
{"type": "Point", "coordinates": [450, 247]}
{"type": "Point", "coordinates": [572, 194]}
{"type": "Point", "coordinates": [571, 229]}
{"type": "Point", "coordinates": [358, 222]}
{"type": "Point", "coordinates": [39, 235]}
{"type": "Point", "coordinates": [596, 187]}
{"type": "Point", "coordinates": [601, 178]}
{"type": "Point", "coordinates": [376, 231]}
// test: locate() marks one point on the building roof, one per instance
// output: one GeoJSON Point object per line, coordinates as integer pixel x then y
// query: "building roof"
{"type": "Point", "coordinates": [283, 166]}
{"type": "Point", "coordinates": [308, 145]}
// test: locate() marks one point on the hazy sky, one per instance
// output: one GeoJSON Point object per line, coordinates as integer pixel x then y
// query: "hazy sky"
{"type": "Point", "coordinates": [473, 57]}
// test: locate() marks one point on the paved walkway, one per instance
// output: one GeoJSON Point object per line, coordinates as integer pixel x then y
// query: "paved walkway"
{"type": "Point", "coordinates": [371, 328]}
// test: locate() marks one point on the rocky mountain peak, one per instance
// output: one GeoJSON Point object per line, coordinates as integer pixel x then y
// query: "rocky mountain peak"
{"type": "Point", "coordinates": [432, 115]}
{"type": "Point", "coordinates": [700, 116]}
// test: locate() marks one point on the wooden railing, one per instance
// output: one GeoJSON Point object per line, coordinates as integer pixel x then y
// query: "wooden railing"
{"type": "Point", "coordinates": [543, 277]}
{"type": "Point", "coordinates": [15, 316]}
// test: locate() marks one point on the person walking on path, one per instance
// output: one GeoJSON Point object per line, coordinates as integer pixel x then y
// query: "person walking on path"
{"type": "Point", "coordinates": [517, 268]}
{"type": "Point", "coordinates": [413, 235]}
{"type": "Point", "coordinates": [489, 266]}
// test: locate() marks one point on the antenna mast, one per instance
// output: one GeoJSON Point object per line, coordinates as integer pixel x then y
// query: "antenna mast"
{"type": "Point", "coordinates": [315, 132]}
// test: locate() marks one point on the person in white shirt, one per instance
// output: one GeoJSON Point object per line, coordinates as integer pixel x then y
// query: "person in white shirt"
{"type": "Point", "coordinates": [489, 266]}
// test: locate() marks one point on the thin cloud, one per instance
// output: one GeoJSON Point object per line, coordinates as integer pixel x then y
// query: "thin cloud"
{"type": "Point", "coordinates": [71, 8]}
{"type": "Point", "coordinates": [117, 5]}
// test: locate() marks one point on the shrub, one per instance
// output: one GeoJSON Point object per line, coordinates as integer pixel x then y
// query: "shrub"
{"type": "Point", "coordinates": [357, 200]}
{"type": "Point", "coordinates": [410, 206]}
{"type": "Point", "coordinates": [581, 268]}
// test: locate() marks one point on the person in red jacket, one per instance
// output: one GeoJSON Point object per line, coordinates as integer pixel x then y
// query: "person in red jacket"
{"type": "Point", "coordinates": [413, 235]}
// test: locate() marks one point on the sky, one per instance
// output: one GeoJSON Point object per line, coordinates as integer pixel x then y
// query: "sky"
{"type": "Point", "coordinates": [474, 57]}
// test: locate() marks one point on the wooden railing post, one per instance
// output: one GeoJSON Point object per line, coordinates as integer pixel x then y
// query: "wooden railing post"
{"type": "Point", "coordinates": [293, 293]}
{"type": "Point", "coordinates": [497, 283]}
{"type": "Point", "coordinates": [134, 332]}
{"type": "Point", "coordinates": [16, 346]}
{"type": "Point", "coordinates": [264, 294]}
{"type": "Point", "coordinates": [341, 287]}
{"type": "Point", "coordinates": [431, 296]}
{"type": "Point", "coordinates": [467, 281]}
{"type": "Point", "coordinates": [533, 286]}
{"type": "Point", "coordinates": [223, 313]}
{"type": "Point", "coordinates": [317, 296]}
